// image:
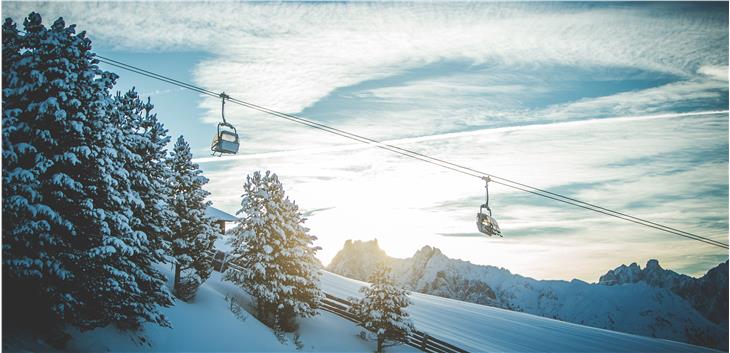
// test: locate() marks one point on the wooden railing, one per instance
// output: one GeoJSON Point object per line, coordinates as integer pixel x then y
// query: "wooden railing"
{"type": "Point", "coordinates": [415, 339]}
{"type": "Point", "coordinates": [339, 306]}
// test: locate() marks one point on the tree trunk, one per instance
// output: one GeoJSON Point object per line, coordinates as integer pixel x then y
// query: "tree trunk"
{"type": "Point", "coordinates": [381, 338]}
{"type": "Point", "coordinates": [261, 310]}
{"type": "Point", "coordinates": [176, 284]}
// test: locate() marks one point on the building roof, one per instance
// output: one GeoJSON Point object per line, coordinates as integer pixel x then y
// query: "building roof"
{"type": "Point", "coordinates": [220, 215]}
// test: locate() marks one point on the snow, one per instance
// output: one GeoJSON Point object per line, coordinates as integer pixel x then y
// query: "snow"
{"type": "Point", "coordinates": [480, 328]}
{"type": "Point", "coordinates": [276, 266]}
{"type": "Point", "coordinates": [221, 243]}
{"type": "Point", "coordinates": [325, 332]}
{"type": "Point", "coordinates": [382, 306]}
{"type": "Point", "coordinates": [203, 325]}
{"type": "Point", "coordinates": [220, 215]}
{"type": "Point", "coordinates": [207, 324]}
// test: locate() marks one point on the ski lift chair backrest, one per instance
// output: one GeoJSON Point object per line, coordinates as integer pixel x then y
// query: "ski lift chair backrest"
{"type": "Point", "coordinates": [487, 224]}
{"type": "Point", "coordinates": [225, 142]}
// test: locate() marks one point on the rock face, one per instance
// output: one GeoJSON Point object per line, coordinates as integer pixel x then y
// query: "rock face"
{"type": "Point", "coordinates": [652, 301]}
{"type": "Point", "coordinates": [707, 294]}
{"type": "Point", "coordinates": [358, 259]}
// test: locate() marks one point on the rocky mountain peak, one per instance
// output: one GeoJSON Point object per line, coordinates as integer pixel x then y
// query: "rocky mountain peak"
{"type": "Point", "coordinates": [427, 252]}
{"type": "Point", "coordinates": [358, 258]}
{"type": "Point", "coordinates": [622, 274]}
{"type": "Point", "coordinates": [652, 265]}
{"type": "Point", "coordinates": [707, 294]}
{"type": "Point", "coordinates": [652, 273]}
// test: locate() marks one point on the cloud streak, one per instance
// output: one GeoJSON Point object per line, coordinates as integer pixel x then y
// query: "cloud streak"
{"type": "Point", "coordinates": [288, 56]}
{"type": "Point", "coordinates": [526, 91]}
{"type": "Point", "coordinates": [406, 204]}
{"type": "Point", "coordinates": [414, 140]}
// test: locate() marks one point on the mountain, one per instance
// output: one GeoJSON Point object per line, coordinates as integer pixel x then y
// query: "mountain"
{"type": "Point", "coordinates": [651, 302]}
{"type": "Point", "coordinates": [707, 294]}
{"type": "Point", "coordinates": [357, 259]}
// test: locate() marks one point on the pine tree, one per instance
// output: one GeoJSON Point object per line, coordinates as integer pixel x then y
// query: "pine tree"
{"type": "Point", "coordinates": [147, 139]}
{"type": "Point", "coordinates": [276, 253]}
{"type": "Point", "coordinates": [70, 252]}
{"type": "Point", "coordinates": [381, 308]}
{"type": "Point", "coordinates": [194, 233]}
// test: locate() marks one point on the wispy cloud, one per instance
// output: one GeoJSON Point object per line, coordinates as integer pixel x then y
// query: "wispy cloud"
{"type": "Point", "coordinates": [691, 94]}
{"type": "Point", "coordinates": [407, 204]}
{"type": "Point", "coordinates": [451, 135]}
{"type": "Point", "coordinates": [288, 56]}
{"type": "Point", "coordinates": [507, 88]}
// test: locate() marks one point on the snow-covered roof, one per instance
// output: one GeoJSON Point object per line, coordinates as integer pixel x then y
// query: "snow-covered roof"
{"type": "Point", "coordinates": [219, 215]}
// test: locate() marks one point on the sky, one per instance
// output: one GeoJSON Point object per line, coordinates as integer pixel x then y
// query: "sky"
{"type": "Point", "coordinates": [624, 105]}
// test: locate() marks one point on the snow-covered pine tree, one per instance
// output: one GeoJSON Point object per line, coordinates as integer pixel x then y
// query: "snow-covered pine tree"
{"type": "Point", "coordinates": [70, 253]}
{"type": "Point", "coordinates": [381, 308]}
{"type": "Point", "coordinates": [194, 233]}
{"type": "Point", "coordinates": [276, 253]}
{"type": "Point", "coordinates": [147, 139]}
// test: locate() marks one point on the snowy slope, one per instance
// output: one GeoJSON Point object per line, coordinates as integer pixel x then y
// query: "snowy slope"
{"type": "Point", "coordinates": [637, 307]}
{"type": "Point", "coordinates": [480, 328]}
{"type": "Point", "coordinates": [208, 325]}
{"type": "Point", "coordinates": [205, 325]}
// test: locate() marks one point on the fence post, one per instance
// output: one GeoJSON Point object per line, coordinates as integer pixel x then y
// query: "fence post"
{"type": "Point", "coordinates": [423, 342]}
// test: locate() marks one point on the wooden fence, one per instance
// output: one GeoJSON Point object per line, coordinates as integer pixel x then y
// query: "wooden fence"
{"type": "Point", "coordinates": [339, 306]}
{"type": "Point", "coordinates": [416, 339]}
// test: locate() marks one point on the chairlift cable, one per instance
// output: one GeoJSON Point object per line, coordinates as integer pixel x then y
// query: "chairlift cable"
{"type": "Point", "coordinates": [151, 74]}
{"type": "Point", "coordinates": [481, 174]}
{"type": "Point", "coordinates": [278, 114]}
{"type": "Point", "coordinates": [647, 224]}
{"type": "Point", "coordinates": [419, 156]}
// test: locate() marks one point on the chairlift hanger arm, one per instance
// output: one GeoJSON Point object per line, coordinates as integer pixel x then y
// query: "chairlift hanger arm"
{"type": "Point", "coordinates": [224, 96]}
{"type": "Point", "coordinates": [486, 179]}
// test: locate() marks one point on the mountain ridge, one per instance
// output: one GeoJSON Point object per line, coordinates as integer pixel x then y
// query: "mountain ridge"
{"type": "Point", "coordinates": [653, 301]}
{"type": "Point", "coordinates": [694, 290]}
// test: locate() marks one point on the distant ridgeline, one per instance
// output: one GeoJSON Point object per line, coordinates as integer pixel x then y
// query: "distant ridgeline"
{"type": "Point", "coordinates": [652, 301]}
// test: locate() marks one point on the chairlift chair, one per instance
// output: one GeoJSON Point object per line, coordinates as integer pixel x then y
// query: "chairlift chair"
{"type": "Point", "coordinates": [225, 140]}
{"type": "Point", "coordinates": [485, 222]}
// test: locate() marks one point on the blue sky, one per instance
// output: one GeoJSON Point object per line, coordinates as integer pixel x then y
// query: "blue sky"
{"type": "Point", "coordinates": [621, 104]}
